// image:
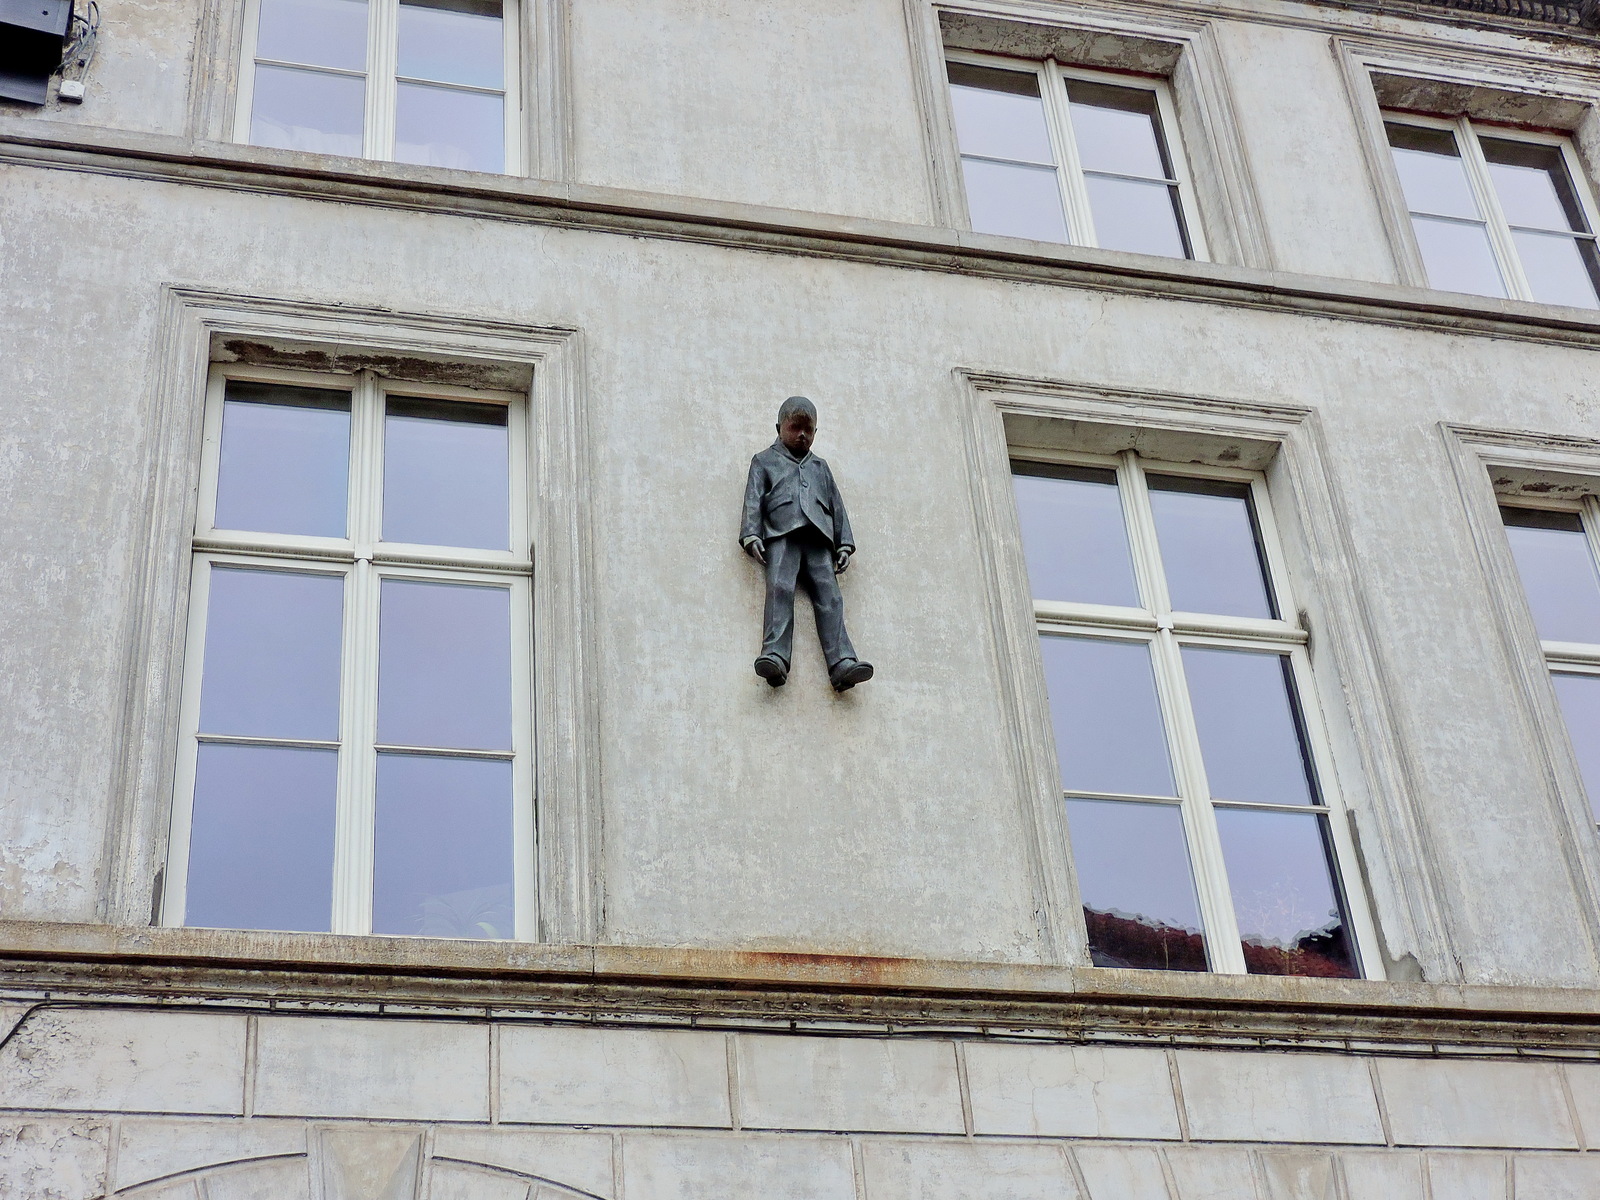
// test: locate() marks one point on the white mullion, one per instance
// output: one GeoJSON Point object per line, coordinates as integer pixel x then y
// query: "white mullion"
{"type": "Point", "coordinates": [1178, 163]}
{"type": "Point", "coordinates": [244, 97]}
{"type": "Point", "coordinates": [359, 674]}
{"type": "Point", "coordinates": [174, 895]}
{"type": "Point", "coordinates": [1069, 170]}
{"type": "Point", "coordinates": [210, 454]}
{"type": "Point", "coordinates": [1266, 529]}
{"type": "Point", "coordinates": [383, 48]}
{"type": "Point", "coordinates": [1494, 219]}
{"type": "Point", "coordinates": [524, 829]}
{"type": "Point", "coordinates": [511, 80]}
{"type": "Point", "coordinates": [1589, 517]}
{"type": "Point", "coordinates": [1223, 950]}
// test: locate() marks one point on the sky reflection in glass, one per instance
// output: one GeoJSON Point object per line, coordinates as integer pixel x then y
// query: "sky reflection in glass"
{"type": "Point", "coordinates": [285, 460]}
{"type": "Point", "coordinates": [443, 852]}
{"type": "Point", "coordinates": [1580, 705]}
{"type": "Point", "coordinates": [261, 838]}
{"type": "Point", "coordinates": [1209, 547]}
{"type": "Point", "coordinates": [1074, 536]}
{"type": "Point", "coordinates": [1249, 738]}
{"type": "Point", "coordinates": [444, 665]}
{"type": "Point", "coordinates": [1109, 732]}
{"type": "Point", "coordinates": [446, 474]}
{"type": "Point", "coordinates": [1558, 573]}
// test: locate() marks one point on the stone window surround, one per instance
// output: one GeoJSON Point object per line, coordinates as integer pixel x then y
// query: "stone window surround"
{"type": "Point", "coordinates": [541, 87]}
{"type": "Point", "coordinates": [1495, 464]}
{"type": "Point", "coordinates": [1005, 414]}
{"type": "Point", "coordinates": [202, 328]}
{"type": "Point", "coordinates": [1180, 51]}
{"type": "Point", "coordinates": [1506, 89]}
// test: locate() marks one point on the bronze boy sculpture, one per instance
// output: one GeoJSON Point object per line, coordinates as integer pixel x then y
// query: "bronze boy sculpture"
{"type": "Point", "coordinates": [795, 525]}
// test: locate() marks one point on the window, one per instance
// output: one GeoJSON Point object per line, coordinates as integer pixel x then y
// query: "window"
{"type": "Point", "coordinates": [1203, 817]}
{"type": "Point", "coordinates": [356, 750]}
{"type": "Point", "coordinates": [416, 81]}
{"type": "Point", "coordinates": [1497, 213]}
{"type": "Point", "coordinates": [1557, 550]}
{"type": "Point", "coordinates": [1071, 156]}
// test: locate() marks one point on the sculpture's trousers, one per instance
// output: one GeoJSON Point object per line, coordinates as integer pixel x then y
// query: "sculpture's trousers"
{"type": "Point", "coordinates": [804, 557]}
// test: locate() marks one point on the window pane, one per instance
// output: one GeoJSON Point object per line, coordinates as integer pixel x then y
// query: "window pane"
{"type": "Point", "coordinates": [285, 460]}
{"type": "Point", "coordinates": [1558, 573]}
{"type": "Point", "coordinates": [439, 127]}
{"type": "Point", "coordinates": [1015, 201]}
{"type": "Point", "coordinates": [1431, 172]}
{"type": "Point", "coordinates": [999, 114]}
{"type": "Point", "coordinates": [1560, 270]}
{"type": "Point", "coordinates": [1142, 217]}
{"type": "Point", "coordinates": [443, 852]}
{"type": "Point", "coordinates": [446, 474]}
{"type": "Point", "coordinates": [319, 33]}
{"type": "Point", "coordinates": [1458, 257]}
{"type": "Point", "coordinates": [307, 110]}
{"type": "Point", "coordinates": [261, 839]}
{"type": "Point", "coordinates": [1116, 130]}
{"type": "Point", "coordinates": [1209, 546]}
{"type": "Point", "coordinates": [1073, 534]}
{"type": "Point", "coordinates": [1291, 918]}
{"type": "Point", "coordinates": [272, 655]}
{"type": "Point", "coordinates": [1109, 733]}
{"type": "Point", "coordinates": [444, 666]}
{"type": "Point", "coordinates": [1580, 704]}
{"type": "Point", "coordinates": [1250, 738]}
{"type": "Point", "coordinates": [1138, 893]}
{"type": "Point", "coordinates": [1532, 185]}
{"type": "Point", "coordinates": [452, 41]}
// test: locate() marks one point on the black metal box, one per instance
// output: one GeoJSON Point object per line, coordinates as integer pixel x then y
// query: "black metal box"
{"type": "Point", "coordinates": [33, 36]}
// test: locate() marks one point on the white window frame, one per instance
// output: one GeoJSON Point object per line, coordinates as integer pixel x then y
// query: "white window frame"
{"type": "Point", "coordinates": [1166, 632]}
{"type": "Point", "coordinates": [364, 562]}
{"type": "Point", "coordinates": [1051, 76]}
{"type": "Point", "coordinates": [1567, 658]}
{"type": "Point", "coordinates": [382, 79]}
{"type": "Point", "coordinates": [1467, 132]}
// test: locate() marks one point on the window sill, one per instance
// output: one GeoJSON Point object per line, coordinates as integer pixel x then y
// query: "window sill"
{"type": "Point", "coordinates": [795, 989]}
{"type": "Point", "coordinates": [28, 140]}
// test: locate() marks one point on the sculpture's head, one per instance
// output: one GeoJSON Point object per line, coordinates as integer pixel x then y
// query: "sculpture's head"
{"type": "Point", "coordinates": [797, 424]}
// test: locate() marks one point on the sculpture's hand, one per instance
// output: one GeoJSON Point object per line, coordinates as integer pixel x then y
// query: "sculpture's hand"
{"type": "Point", "coordinates": [841, 560]}
{"type": "Point", "coordinates": [756, 549]}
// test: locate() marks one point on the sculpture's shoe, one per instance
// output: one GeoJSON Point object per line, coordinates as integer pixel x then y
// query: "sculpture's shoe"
{"type": "Point", "coordinates": [772, 670]}
{"type": "Point", "coordinates": [846, 675]}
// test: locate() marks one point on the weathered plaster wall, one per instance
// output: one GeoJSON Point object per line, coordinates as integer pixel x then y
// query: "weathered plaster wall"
{"type": "Point", "coordinates": [897, 829]}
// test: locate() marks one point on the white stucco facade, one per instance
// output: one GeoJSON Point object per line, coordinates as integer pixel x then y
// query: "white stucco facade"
{"type": "Point", "coordinates": [792, 943]}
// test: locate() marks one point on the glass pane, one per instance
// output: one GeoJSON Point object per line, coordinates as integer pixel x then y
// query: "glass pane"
{"type": "Point", "coordinates": [1109, 733]}
{"type": "Point", "coordinates": [1558, 573]}
{"type": "Point", "coordinates": [1209, 546]}
{"type": "Point", "coordinates": [261, 840]}
{"type": "Point", "coordinates": [1142, 217]}
{"type": "Point", "coordinates": [285, 460]}
{"type": "Point", "coordinates": [319, 33]}
{"type": "Point", "coordinates": [272, 655]}
{"type": "Point", "coordinates": [999, 114]}
{"type": "Point", "coordinates": [1117, 130]}
{"type": "Point", "coordinates": [444, 666]}
{"type": "Point", "coordinates": [307, 110]}
{"type": "Point", "coordinates": [1073, 534]}
{"type": "Point", "coordinates": [1138, 893]}
{"type": "Point", "coordinates": [446, 474]}
{"type": "Point", "coordinates": [1580, 705]}
{"type": "Point", "coordinates": [439, 127]}
{"type": "Point", "coordinates": [1431, 172]}
{"type": "Point", "coordinates": [1250, 737]}
{"type": "Point", "coordinates": [1560, 269]}
{"type": "Point", "coordinates": [1291, 917]}
{"type": "Point", "coordinates": [1015, 201]}
{"type": "Point", "coordinates": [1532, 184]}
{"type": "Point", "coordinates": [443, 852]}
{"type": "Point", "coordinates": [1458, 257]}
{"type": "Point", "coordinates": [452, 41]}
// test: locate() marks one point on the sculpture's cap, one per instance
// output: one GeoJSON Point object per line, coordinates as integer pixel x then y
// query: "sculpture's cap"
{"type": "Point", "coordinates": [797, 404]}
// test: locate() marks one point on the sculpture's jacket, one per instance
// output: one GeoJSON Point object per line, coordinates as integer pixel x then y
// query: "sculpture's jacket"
{"type": "Point", "coordinates": [785, 494]}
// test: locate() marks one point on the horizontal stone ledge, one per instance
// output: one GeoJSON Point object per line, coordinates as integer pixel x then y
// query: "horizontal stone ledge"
{"type": "Point", "coordinates": [82, 958]}
{"type": "Point", "coordinates": [165, 158]}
